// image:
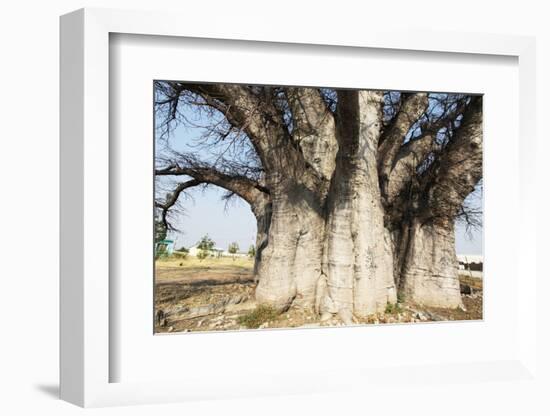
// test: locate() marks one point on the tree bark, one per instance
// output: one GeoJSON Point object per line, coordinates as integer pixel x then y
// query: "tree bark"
{"type": "Point", "coordinates": [290, 264]}
{"type": "Point", "coordinates": [359, 263]}
{"type": "Point", "coordinates": [412, 108]}
{"type": "Point", "coordinates": [262, 213]}
{"type": "Point", "coordinates": [429, 268]}
{"type": "Point", "coordinates": [426, 266]}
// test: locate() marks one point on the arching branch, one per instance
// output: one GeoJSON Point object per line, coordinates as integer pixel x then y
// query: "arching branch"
{"type": "Point", "coordinates": [415, 152]}
{"type": "Point", "coordinates": [171, 199]}
{"type": "Point", "coordinates": [412, 108]}
{"type": "Point", "coordinates": [246, 188]}
{"type": "Point", "coordinates": [243, 109]}
{"type": "Point", "coordinates": [254, 111]}
{"type": "Point", "coordinates": [459, 167]}
{"type": "Point", "coordinates": [314, 128]}
{"type": "Point", "coordinates": [309, 110]}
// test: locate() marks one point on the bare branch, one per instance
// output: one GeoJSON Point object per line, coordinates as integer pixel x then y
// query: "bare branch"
{"type": "Point", "coordinates": [459, 168]}
{"type": "Point", "coordinates": [171, 200]}
{"type": "Point", "coordinates": [314, 128]}
{"type": "Point", "coordinates": [246, 188]}
{"type": "Point", "coordinates": [418, 153]}
{"type": "Point", "coordinates": [412, 108]}
{"type": "Point", "coordinates": [244, 110]}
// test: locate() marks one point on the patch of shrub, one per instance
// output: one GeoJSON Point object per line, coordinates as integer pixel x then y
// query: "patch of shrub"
{"type": "Point", "coordinates": [393, 308]}
{"type": "Point", "coordinates": [400, 298]}
{"type": "Point", "coordinates": [202, 254]}
{"type": "Point", "coordinates": [258, 316]}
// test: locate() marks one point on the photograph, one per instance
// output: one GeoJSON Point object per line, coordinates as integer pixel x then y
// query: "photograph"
{"type": "Point", "coordinates": [326, 209]}
{"type": "Point", "coordinates": [280, 207]}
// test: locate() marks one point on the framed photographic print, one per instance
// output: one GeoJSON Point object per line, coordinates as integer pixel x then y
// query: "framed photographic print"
{"type": "Point", "coordinates": [303, 202]}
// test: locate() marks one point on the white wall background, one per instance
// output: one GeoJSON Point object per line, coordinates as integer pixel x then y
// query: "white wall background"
{"type": "Point", "coordinates": [29, 210]}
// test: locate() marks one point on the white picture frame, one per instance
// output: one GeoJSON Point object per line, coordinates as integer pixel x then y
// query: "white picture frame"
{"type": "Point", "coordinates": [86, 356]}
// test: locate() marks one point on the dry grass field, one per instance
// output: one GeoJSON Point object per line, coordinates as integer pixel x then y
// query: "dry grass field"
{"type": "Point", "coordinates": [217, 294]}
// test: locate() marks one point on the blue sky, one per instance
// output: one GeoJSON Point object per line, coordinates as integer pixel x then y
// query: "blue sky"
{"type": "Point", "coordinates": [205, 213]}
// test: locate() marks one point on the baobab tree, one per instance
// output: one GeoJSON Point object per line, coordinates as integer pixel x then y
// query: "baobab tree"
{"type": "Point", "coordinates": [355, 192]}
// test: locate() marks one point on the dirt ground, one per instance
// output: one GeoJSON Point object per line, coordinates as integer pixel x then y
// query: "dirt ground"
{"type": "Point", "coordinates": [218, 295]}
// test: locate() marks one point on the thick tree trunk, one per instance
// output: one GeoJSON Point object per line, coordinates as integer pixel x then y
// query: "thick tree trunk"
{"type": "Point", "coordinates": [328, 247]}
{"type": "Point", "coordinates": [359, 262]}
{"type": "Point", "coordinates": [429, 268]}
{"type": "Point", "coordinates": [262, 212]}
{"type": "Point", "coordinates": [334, 255]}
{"type": "Point", "coordinates": [290, 264]}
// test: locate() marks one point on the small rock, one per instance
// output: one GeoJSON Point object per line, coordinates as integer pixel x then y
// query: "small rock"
{"type": "Point", "coordinates": [170, 329]}
{"type": "Point", "coordinates": [465, 289]}
{"type": "Point", "coordinates": [421, 316]}
{"type": "Point", "coordinates": [346, 316]}
{"type": "Point", "coordinates": [326, 316]}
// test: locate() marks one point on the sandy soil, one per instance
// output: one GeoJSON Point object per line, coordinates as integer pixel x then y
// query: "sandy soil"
{"type": "Point", "coordinates": [217, 295]}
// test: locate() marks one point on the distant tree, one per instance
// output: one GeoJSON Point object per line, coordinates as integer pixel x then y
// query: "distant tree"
{"type": "Point", "coordinates": [252, 251]}
{"type": "Point", "coordinates": [202, 254]}
{"type": "Point", "coordinates": [233, 249]}
{"type": "Point", "coordinates": [205, 246]}
{"type": "Point", "coordinates": [160, 231]}
{"type": "Point", "coordinates": [206, 243]}
{"type": "Point", "coordinates": [180, 255]}
{"type": "Point", "coordinates": [181, 252]}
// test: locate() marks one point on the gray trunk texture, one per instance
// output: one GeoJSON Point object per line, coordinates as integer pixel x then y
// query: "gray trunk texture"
{"type": "Point", "coordinates": [329, 246]}
{"type": "Point", "coordinates": [429, 274]}
{"type": "Point", "coordinates": [262, 212]}
{"type": "Point", "coordinates": [333, 254]}
{"type": "Point", "coordinates": [290, 264]}
{"type": "Point", "coordinates": [359, 261]}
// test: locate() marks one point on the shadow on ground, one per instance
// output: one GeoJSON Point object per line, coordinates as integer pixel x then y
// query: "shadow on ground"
{"type": "Point", "coordinates": [51, 390]}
